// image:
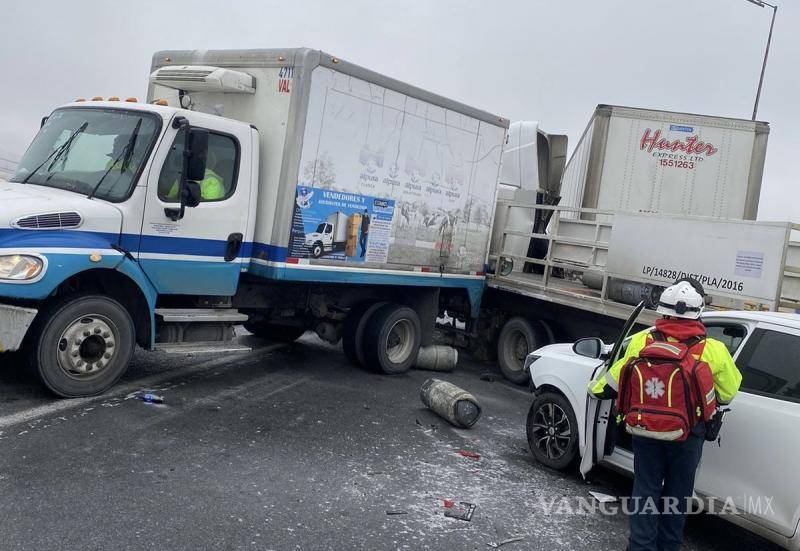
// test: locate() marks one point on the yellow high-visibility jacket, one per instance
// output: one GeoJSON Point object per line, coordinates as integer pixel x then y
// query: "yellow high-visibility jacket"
{"type": "Point", "coordinates": [211, 187]}
{"type": "Point", "coordinates": [727, 377]}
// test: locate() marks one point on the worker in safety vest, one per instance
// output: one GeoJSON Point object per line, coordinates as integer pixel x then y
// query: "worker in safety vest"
{"type": "Point", "coordinates": [664, 471]}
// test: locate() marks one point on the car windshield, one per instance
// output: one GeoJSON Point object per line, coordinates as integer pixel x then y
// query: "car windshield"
{"type": "Point", "coordinates": [94, 151]}
{"type": "Point", "coordinates": [321, 228]}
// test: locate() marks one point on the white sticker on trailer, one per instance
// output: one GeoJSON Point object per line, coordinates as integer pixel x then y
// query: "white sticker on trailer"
{"type": "Point", "coordinates": [740, 260]}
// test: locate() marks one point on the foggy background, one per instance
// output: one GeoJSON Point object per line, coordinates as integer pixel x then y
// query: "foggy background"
{"type": "Point", "coordinates": [545, 60]}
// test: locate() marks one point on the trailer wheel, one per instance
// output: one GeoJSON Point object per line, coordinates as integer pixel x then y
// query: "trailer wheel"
{"type": "Point", "coordinates": [353, 330]}
{"type": "Point", "coordinates": [391, 339]}
{"type": "Point", "coordinates": [82, 346]}
{"type": "Point", "coordinates": [275, 332]}
{"type": "Point", "coordinates": [317, 249]}
{"type": "Point", "coordinates": [517, 339]}
{"type": "Point", "coordinates": [552, 431]}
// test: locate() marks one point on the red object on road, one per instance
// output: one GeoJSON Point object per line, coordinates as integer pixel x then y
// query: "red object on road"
{"type": "Point", "coordinates": [471, 455]}
{"type": "Point", "coordinates": [448, 503]}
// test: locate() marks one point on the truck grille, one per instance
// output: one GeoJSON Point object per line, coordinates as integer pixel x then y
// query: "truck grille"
{"type": "Point", "coordinates": [49, 221]}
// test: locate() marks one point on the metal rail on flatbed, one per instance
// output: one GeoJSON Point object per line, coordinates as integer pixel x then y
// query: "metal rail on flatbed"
{"type": "Point", "coordinates": [577, 242]}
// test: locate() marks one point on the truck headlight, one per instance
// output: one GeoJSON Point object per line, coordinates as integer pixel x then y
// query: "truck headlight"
{"type": "Point", "coordinates": [20, 267]}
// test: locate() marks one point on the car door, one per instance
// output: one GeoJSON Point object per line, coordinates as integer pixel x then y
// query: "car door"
{"type": "Point", "coordinates": [755, 461]}
{"type": "Point", "coordinates": [598, 412]}
{"type": "Point", "coordinates": [200, 253]}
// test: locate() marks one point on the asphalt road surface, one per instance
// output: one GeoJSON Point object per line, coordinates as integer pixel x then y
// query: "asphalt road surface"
{"type": "Point", "coordinates": [289, 448]}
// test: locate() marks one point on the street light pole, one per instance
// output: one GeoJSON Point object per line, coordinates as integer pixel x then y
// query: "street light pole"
{"type": "Point", "coordinates": [761, 4]}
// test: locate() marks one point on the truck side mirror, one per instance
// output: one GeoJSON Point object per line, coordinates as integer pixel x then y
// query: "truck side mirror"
{"type": "Point", "coordinates": [196, 152]}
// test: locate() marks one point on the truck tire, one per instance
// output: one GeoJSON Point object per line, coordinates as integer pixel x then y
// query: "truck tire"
{"type": "Point", "coordinates": [353, 330]}
{"type": "Point", "coordinates": [391, 339]}
{"type": "Point", "coordinates": [82, 345]}
{"type": "Point", "coordinates": [317, 249]}
{"type": "Point", "coordinates": [517, 339]}
{"type": "Point", "coordinates": [275, 332]}
{"type": "Point", "coordinates": [552, 431]}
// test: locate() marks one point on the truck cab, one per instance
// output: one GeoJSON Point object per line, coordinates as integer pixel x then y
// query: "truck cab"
{"type": "Point", "coordinates": [114, 204]}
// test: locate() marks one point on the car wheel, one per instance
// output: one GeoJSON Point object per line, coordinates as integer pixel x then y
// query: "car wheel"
{"type": "Point", "coordinates": [82, 346]}
{"type": "Point", "coordinates": [353, 330]}
{"type": "Point", "coordinates": [316, 250]}
{"type": "Point", "coordinates": [391, 339]}
{"type": "Point", "coordinates": [517, 339]}
{"type": "Point", "coordinates": [552, 431]}
{"type": "Point", "coordinates": [275, 332]}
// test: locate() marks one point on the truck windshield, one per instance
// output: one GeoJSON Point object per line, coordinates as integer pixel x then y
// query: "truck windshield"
{"type": "Point", "coordinates": [79, 149]}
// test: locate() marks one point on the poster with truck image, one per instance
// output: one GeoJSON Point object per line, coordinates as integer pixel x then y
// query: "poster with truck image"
{"type": "Point", "coordinates": [435, 168]}
{"type": "Point", "coordinates": [346, 227]}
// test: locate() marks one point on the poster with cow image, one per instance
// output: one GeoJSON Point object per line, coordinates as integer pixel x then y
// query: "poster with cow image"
{"type": "Point", "coordinates": [437, 168]}
{"type": "Point", "coordinates": [334, 225]}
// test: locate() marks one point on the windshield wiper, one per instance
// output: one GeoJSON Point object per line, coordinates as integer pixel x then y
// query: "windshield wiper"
{"type": "Point", "coordinates": [56, 152]}
{"type": "Point", "coordinates": [127, 153]}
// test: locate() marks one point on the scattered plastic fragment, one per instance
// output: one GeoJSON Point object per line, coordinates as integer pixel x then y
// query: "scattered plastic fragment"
{"type": "Point", "coordinates": [512, 539]}
{"type": "Point", "coordinates": [461, 511]}
{"type": "Point", "coordinates": [151, 398]}
{"type": "Point", "coordinates": [471, 455]}
{"type": "Point", "coordinates": [603, 498]}
{"type": "Point", "coordinates": [396, 512]}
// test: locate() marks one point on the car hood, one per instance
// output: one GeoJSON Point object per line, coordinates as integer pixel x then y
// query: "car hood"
{"type": "Point", "coordinates": [18, 201]}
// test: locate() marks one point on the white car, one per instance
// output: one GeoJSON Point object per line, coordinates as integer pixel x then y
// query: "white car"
{"type": "Point", "coordinates": [754, 464]}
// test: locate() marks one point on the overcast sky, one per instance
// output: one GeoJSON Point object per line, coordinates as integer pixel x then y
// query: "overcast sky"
{"type": "Point", "coordinates": [545, 60]}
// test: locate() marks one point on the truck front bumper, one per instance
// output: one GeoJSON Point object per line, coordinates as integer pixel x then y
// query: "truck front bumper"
{"type": "Point", "coordinates": [14, 324]}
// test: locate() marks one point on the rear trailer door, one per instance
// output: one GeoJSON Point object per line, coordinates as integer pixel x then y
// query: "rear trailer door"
{"type": "Point", "coordinates": [201, 254]}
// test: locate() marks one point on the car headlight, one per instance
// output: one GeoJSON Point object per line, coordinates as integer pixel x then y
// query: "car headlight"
{"type": "Point", "coordinates": [20, 267]}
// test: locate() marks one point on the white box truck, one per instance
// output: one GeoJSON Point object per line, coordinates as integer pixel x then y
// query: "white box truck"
{"type": "Point", "coordinates": [165, 223]}
{"type": "Point", "coordinates": [329, 236]}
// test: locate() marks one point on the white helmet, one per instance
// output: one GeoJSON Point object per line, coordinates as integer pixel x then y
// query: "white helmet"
{"type": "Point", "coordinates": [684, 299]}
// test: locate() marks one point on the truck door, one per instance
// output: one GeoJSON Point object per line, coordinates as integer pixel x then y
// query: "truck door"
{"type": "Point", "coordinates": [599, 422]}
{"type": "Point", "coordinates": [200, 254]}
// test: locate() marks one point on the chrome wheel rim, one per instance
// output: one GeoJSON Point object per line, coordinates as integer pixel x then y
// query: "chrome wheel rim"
{"type": "Point", "coordinates": [87, 346]}
{"type": "Point", "coordinates": [551, 431]}
{"type": "Point", "coordinates": [399, 342]}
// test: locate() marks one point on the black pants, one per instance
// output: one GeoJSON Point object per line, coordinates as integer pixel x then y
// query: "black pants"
{"type": "Point", "coordinates": [363, 242]}
{"type": "Point", "coordinates": [672, 464]}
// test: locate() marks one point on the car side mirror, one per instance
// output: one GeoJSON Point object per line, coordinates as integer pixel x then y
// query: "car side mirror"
{"type": "Point", "coordinates": [590, 347]}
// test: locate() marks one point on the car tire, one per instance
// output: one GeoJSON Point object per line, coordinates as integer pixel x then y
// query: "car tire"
{"type": "Point", "coordinates": [392, 337]}
{"type": "Point", "coordinates": [275, 332]}
{"type": "Point", "coordinates": [552, 431]}
{"type": "Point", "coordinates": [517, 339]}
{"type": "Point", "coordinates": [81, 346]}
{"type": "Point", "coordinates": [317, 250]}
{"type": "Point", "coordinates": [353, 330]}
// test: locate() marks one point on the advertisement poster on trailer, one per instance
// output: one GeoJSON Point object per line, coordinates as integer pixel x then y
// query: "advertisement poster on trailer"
{"type": "Point", "coordinates": [340, 226]}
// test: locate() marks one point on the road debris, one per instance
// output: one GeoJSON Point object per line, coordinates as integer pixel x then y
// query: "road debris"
{"type": "Point", "coordinates": [437, 357]}
{"type": "Point", "coordinates": [469, 454]}
{"type": "Point", "coordinates": [512, 539]}
{"type": "Point", "coordinates": [461, 510]}
{"type": "Point", "coordinates": [456, 405]}
{"type": "Point", "coordinates": [488, 376]}
{"type": "Point", "coordinates": [603, 498]}
{"type": "Point", "coordinates": [151, 398]}
{"type": "Point", "coordinates": [396, 512]}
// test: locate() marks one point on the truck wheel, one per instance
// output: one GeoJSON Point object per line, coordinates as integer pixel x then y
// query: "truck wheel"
{"type": "Point", "coordinates": [82, 345]}
{"type": "Point", "coordinates": [517, 339]}
{"type": "Point", "coordinates": [317, 250]}
{"type": "Point", "coordinates": [353, 331]}
{"type": "Point", "coordinates": [275, 332]}
{"type": "Point", "coordinates": [391, 339]}
{"type": "Point", "coordinates": [552, 431]}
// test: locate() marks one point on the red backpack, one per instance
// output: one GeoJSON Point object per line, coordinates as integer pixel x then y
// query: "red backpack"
{"type": "Point", "coordinates": [667, 389]}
